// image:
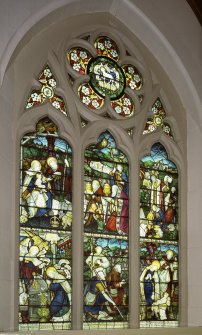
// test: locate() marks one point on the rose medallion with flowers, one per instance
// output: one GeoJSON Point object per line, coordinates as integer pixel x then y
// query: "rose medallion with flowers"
{"type": "Point", "coordinates": [105, 77]}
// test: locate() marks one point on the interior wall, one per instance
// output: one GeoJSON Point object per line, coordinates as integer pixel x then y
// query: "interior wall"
{"type": "Point", "coordinates": [170, 41]}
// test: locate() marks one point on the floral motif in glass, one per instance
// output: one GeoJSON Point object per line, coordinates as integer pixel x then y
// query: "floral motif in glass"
{"type": "Point", "coordinates": [47, 92]}
{"type": "Point", "coordinates": [133, 77]}
{"type": "Point", "coordinates": [78, 58]}
{"type": "Point", "coordinates": [105, 46]}
{"type": "Point", "coordinates": [157, 120]}
{"type": "Point", "coordinates": [106, 77]}
{"type": "Point", "coordinates": [89, 98]}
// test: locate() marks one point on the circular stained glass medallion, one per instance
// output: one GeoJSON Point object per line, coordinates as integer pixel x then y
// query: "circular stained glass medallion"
{"type": "Point", "coordinates": [106, 77]}
{"type": "Point", "coordinates": [47, 91]}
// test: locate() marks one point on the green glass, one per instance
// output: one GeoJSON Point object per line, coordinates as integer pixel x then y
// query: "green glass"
{"type": "Point", "coordinates": [106, 77]}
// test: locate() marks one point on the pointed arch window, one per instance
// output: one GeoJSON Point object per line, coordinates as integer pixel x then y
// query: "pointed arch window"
{"type": "Point", "coordinates": [109, 91]}
{"type": "Point", "coordinates": [45, 229]}
{"type": "Point", "coordinates": [106, 228]}
{"type": "Point", "coordinates": [159, 249]}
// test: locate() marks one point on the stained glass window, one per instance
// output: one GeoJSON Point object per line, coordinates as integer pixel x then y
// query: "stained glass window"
{"type": "Point", "coordinates": [157, 120]}
{"type": "Point", "coordinates": [106, 225]}
{"type": "Point", "coordinates": [47, 92]}
{"type": "Point", "coordinates": [45, 230]}
{"type": "Point", "coordinates": [106, 77]}
{"type": "Point", "coordinates": [111, 90]}
{"type": "Point", "coordinates": [159, 250]}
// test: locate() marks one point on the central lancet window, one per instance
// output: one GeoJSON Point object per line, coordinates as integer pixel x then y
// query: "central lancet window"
{"type": "Point", "coordinates": [117, 110]}
{"type": "Point", "coordinates": [106, 228]}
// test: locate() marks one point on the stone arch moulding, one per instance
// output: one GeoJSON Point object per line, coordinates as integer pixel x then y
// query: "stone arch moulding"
{"type": "Point", "coordinates": [137, 21]}
{"type": "Point", "coordinates": [173, 150]}
{"type": "Point", "coordinates": [92, 132]}
{"type": "Point", "coordinates": [27, 122]}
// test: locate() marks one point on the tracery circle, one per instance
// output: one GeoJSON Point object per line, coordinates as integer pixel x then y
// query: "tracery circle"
{"type": "Point", "coordinates": [106, 77]}
{"type": "Point", "coordinates": [47, 91]}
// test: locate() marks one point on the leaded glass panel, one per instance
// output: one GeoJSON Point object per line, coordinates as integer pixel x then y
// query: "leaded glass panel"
{"type": "Point", "coordinates": [159, 250]}
{"type": "Point", "coordinates": [105, 46]}
{"type": "Point", "coordinates": [133, 77]}
{"type": "Point", "coordinates": [106, 222]}
{"type": "Point", "coordinates": [47, 92]}
{"type": "Point", "coordinates": [78, 58]}
{"type": "Point", "coordinates": [89, 98]}
{"type": "Point", "coordinates": [157, 120]}
{"type": "Point", "coordinates": [107, 78]}
{"type": "Point", "coordinates": [45, 230]}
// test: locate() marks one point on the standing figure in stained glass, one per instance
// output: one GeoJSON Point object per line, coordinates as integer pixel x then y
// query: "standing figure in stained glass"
{"type": "Point", "coordinates": [115, 285]}
{"type": "Point", "coordinates": [111, 208]}
{"type": "Point", "coordinates": [60, 175]}
{"type": "Point", "coordinates": [54, 174]}
{"type": "Point", "coordinates": [97, 260]}
{"type": "Point", "coordinates": [94, 210]}
{"type": "Point", "coordinates": [165, 187]}
{"type": "Point", "coordinates": [146, 180]}
{"type": "Point", "coordinates": [170, 214]}
{"type": "Point", "coordinates": [119, 176]}
{"type": "Point", "coordinates": [168, 275]}
{"type": "Point", "coordinates": [149, 284]}
{"type": "Point", "coordinates": [36, 191]}
{"type": "Point", "coordinates": [119, 182]}
{"type": "Point", "coordinates": [124, 212]}
{"type": "Point", "coordinates": [155, 189]}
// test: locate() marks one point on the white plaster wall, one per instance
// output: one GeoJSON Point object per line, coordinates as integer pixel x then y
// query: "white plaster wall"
{"type": "Point", "coordinates": [6, 163]}
{"type": "Point", "coordinates": [194, 219]}
{"type": "Point", "coordinates": [176, 46]}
